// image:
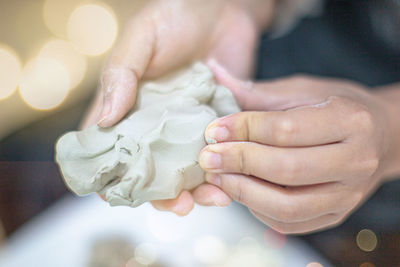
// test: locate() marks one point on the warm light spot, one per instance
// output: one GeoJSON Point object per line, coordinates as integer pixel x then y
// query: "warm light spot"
{"type": "Point", "coordinates": [210, 250]}
{"type": "Point", "coordinates": [10, 71]}
{"type": "Point", "coordinates": [367, 264]}
{"type": "Point", "coordinates": [146, 253]}
{"type": "Point", "coordinates": [166, 227]}
{"type": "Point", "coordinates": [274, 239]}
{"type": "Point", "coordinates": [44, 83]}
{"type": "Point", "coordinates": [314, 264]}
{"type": "Point", "coordinates": [56, 14]}
{"type": "Point", "coordinates": [366, 240]}
{"type": "Point", "coordinates": [63, 52]}
{"type": "Point", "coordinates": [92, 29]}
{"type": "Point", "coordinates": [249, 252]}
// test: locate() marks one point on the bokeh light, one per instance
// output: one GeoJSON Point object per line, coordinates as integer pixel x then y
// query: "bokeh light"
{"type": "Point", "coordinates": [44, 83]}
{"type": "Point", "coordinates": [314, 264]}
{"type": "Point", "coordinates": [56, 14]}
{"type": "Point", "coordinates": [10, 71]}
{"type": "Point", "coordinates": [274, 239]}
{"type": "Point", "coordinates": [146, 253]}
{"type": "Point", "coordinates": [249, 252]}
{"type": "Point", "coordinates": [166, 227]}
{"type": "Point", "coordinates": [63, 52]}
{"type": "Point", "coordinates": [210, 250]}
{"type": "Point", "coordinates": [92, 29]}
{"type": "Point", "coordinates": [366, 240]}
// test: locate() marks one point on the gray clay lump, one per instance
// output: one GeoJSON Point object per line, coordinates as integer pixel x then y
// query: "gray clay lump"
{"type": "Point", "coordinates": [152, 153]}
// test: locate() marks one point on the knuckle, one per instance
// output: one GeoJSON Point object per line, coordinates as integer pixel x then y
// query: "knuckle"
{"type": "Point", "coordinates": [370, 166]}
{"type": "Point", "coordinates": [242, 161]}
{"type": "Point", "coordinates": [338, 220]}
{"type": "Point", "coordinates": [335, 220]}
{"type": "Point", "coordinates": [285, 131]}
{"type": "Point", "coordinates": [367, 166]}
{"type": "Point", "coordinates": [237, 189]}
{"type": "Point", "coordinates": [249, 122]}
{"type": "Point", "coordinates": [241, 192]}
{"type": "Point", "coordinates": [357, 198]}
{"type": "Point", "coordinates": [363, 118]}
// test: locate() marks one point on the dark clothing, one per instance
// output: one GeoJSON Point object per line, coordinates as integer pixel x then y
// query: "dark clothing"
{"type": "Point", "coordinates": [343, 43]}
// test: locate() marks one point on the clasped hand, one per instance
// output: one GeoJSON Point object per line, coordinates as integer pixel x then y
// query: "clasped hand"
{"type": "Point", "coordinates": [303, 154]}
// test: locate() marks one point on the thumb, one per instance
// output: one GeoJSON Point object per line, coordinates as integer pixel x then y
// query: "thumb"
{"type": "Point", "coordinates": [124, 69]}
{"type": "Point", "coordinates": [275, 95]}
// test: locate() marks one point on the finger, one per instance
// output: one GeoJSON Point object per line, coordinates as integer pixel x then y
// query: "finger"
{"type": "Point", "coordinates": [181, 206]}
{"type": "Point", "coordinates": [93, 114]}
{"type": "Point", "coordinates": [125, 67]}
{"type": "Point", "coordinates": [284, 166]}
{"type": "Point", "coordinates": [279, 94]}
{"type": "Point", "coordinates": [103, 197]}
{"type": "Point", "coordinates": [322, 222]}
{"type": "Point", "coordinates": [282, 204]}
{"type": "Point", "coordinates": [305, 126]}
{"type": "Point", "coordinates": [211, 195]}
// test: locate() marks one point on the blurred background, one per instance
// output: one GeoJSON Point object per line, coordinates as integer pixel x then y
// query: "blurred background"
{"type": "Point", "coordinates": [51, 53]}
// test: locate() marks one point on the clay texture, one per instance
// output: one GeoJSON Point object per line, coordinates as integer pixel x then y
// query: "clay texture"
{"type": "Point", "coordinates": [152, 153]}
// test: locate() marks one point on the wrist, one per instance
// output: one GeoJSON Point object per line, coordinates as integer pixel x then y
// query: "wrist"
{"type": "Point", "coordinates": [390, 97]}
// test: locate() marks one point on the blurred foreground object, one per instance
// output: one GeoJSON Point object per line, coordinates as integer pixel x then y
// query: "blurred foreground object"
{"type": "Point", "coordinates": [73, 226]}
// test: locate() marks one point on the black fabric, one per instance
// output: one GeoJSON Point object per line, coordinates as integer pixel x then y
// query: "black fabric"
{"type": "Point", "coordinates": [340, 44]}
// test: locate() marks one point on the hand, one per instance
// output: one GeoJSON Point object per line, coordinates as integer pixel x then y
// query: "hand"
{"type": "Point", "coordinates": [306, 153]}
{"type": "Point", "coordinates": [168, 34]}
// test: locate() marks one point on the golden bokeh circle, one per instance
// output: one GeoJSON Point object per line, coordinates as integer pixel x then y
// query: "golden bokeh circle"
{"type": "Point", "coordinates": [56, 14]}
{"type": "Point", "coordinates": [146, 253]}
{"type": "Point", "coordinates": [92, 29]}
{"type": "Point", "coordinates": [210, 250]}
{"type": "Point", "coordinates": [10, 71]}
{"type": "Point", "coordinates": [366, 240]}
{"type": "Point", "coordinates": [44, 83]}
{"type": "Point", "coordinates": [73, 61]}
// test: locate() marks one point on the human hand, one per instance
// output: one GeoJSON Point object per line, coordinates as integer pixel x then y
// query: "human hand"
{"type": "Point", "coordinates": [303, 156]}
{"type": "Point", "coordinates": [166, 35]}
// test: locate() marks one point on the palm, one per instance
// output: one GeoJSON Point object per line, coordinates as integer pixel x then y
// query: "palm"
{"type": "Point", "coordinates": [235, 44]}
{"type": "Point", "coordinates": [227, 34]}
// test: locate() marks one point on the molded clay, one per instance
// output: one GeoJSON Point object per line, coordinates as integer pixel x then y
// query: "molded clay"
{"type": "Point", "coordinates": [152, 153]}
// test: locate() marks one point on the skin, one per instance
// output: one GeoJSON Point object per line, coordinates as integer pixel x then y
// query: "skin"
{"type": "Point", "coordinates": [152, 45]}
{"type": "Point", "coordinates": [305, 152]}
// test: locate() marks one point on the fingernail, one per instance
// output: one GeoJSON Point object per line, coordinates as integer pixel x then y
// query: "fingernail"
{"type": "Point", "coordinates": [107, 107]}
{"type": "Point", "coordinates": [180, 210]}
{"type": "Point", "coordinates": [113, 79]}
{"type": "Point", "coordinates": [222, 202]}
{"type": "Point", "coordinates": [210, 160]}
{"type": "Point", "coordinates": [217, 134]}
{"type": "Point", "coordinates": [213, 178]}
